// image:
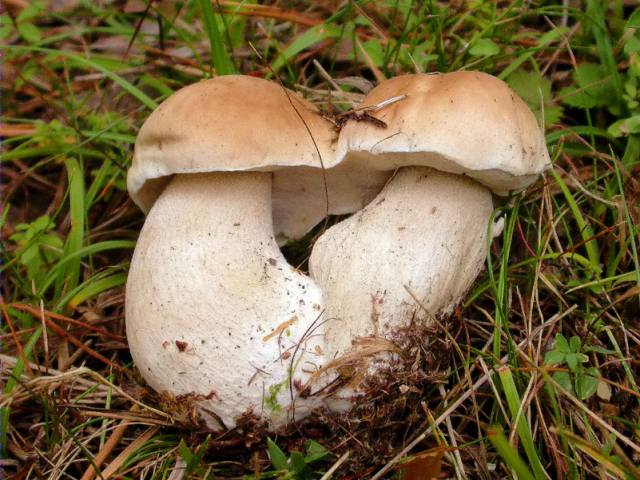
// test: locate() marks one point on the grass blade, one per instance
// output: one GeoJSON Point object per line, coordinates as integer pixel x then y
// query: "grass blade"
{"type": "Point", "coordinates": [612, 465]}
{"type": "Point", "coordinates": [91, 288]}
{"type": "Point", "coordinates": [81, 253]}
{"type": "Point", "coordinates": [500, 288]}
{"type": "Point", "coordinates": [69, 278]}
{"type": "Point", "coordinates": [509, 454]}
{"type": "Point", "coordinates": [312, 36]}
{"type": "Point", "coordinates": [220, 60]}
{"type": "Point", "coordinates": [544, 40]}
{"type": "Point", "coordinates": [631, 155]}
{"type": "Point", "coordinates": [595, 18]}
{"type": "Point", "coordinates": [522, 427]}
{"type": "Point", "coordinates": [133, 90]}
{"type": "Point", "coordinates": [590, 243]}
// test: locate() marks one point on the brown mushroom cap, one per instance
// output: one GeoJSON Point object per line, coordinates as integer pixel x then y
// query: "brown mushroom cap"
{"type": "Point", "coordinates": [229, 123]}
{"type": "Point", "coordinates": [463, 122]}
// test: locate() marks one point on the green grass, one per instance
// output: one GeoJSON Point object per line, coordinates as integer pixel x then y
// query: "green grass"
{"type": "Point", "coordinates": [77, 84]}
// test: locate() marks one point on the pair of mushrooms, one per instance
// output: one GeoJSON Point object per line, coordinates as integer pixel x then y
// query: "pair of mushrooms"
{"type": "Point", "coordinates": [229, 168]}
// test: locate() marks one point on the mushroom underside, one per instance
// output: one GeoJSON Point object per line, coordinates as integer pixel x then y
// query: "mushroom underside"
{"type": "Point", "coordinates": [302, 197]}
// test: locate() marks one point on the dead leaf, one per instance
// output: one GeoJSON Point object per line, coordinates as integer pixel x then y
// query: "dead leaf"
{"type": "Point", "coordinates": [424, 465]}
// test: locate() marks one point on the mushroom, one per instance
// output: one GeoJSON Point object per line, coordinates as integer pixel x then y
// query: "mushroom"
{"type": "Point", "coordinates": [214, 312]}
{"type": "Point", "coordinates": [415, 250]}
{"type": "Point", "coordinates": [242, 123]}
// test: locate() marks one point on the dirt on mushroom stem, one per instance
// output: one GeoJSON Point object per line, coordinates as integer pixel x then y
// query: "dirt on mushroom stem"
{"type": "Point", "coordinates": [397, 394]}
{"type": "Point", "coordinates": [396, 399]}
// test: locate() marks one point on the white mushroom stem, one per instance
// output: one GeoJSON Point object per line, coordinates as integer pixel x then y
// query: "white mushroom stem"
{"type": "Point", "coordinates": [424, 235]}
{"type": "Point", "coordinates": [213, 309]}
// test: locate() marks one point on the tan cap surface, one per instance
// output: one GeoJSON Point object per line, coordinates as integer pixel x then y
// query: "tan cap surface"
{"type": "Point", "coordinates": [229, 123]}
{"type": "Point", "coordinates": [463, 122]}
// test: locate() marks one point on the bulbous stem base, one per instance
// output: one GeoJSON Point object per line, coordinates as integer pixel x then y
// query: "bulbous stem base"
{"type": "Point", "coordinates": [213, 310]}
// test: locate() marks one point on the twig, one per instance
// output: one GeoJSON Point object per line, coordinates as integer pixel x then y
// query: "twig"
{"type": "Point", "coordinates": [45, 337]}
{"type": "Point", "coordinates": [62, 318]}
{"type": "Point", "coordinates": [117, 462]}
{"type": "Point", "coordinates": [460, 472]}
{"type": "Point", "coordinates": [335, 466]}
{"type": "Point", "coordinates": [323, 73]}
{"type": "Point", "coordinates": [64, 334]}
{"type": "Point", "coordinates": [16, 340]}
{"type": "Point", "coordinates": [268, 11]}
{"type": "Point", "coordinates": [102, 455]}
{"type": "Point", "coordinates": [16, 130]}
{"type": "Point", "coordinates": [64, 364]}
{"type": "Point", "coordinates": [131, 418]}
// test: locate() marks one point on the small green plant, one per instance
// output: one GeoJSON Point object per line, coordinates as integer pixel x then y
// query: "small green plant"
{"type": "Point", "coordinates": [25, 25]}
{"type": "Point", "coordinates": [38, 247]}
{"type": "Point", "coordinates": [271, 400]}
{"type": "Point", "coordinates": [580, 379]}
{"type": "Point", "coordinates": [298, 465]}
{"type": "Point", "coordinates": [536, 91]}
{"type": "Point", "coordinates": [193, 460]}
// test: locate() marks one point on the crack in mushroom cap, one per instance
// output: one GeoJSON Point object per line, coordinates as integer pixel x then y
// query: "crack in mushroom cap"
{"type": "Point", "coordinates": [464, 122]}
{"type": "Point", "coordinates": [241, 123]}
